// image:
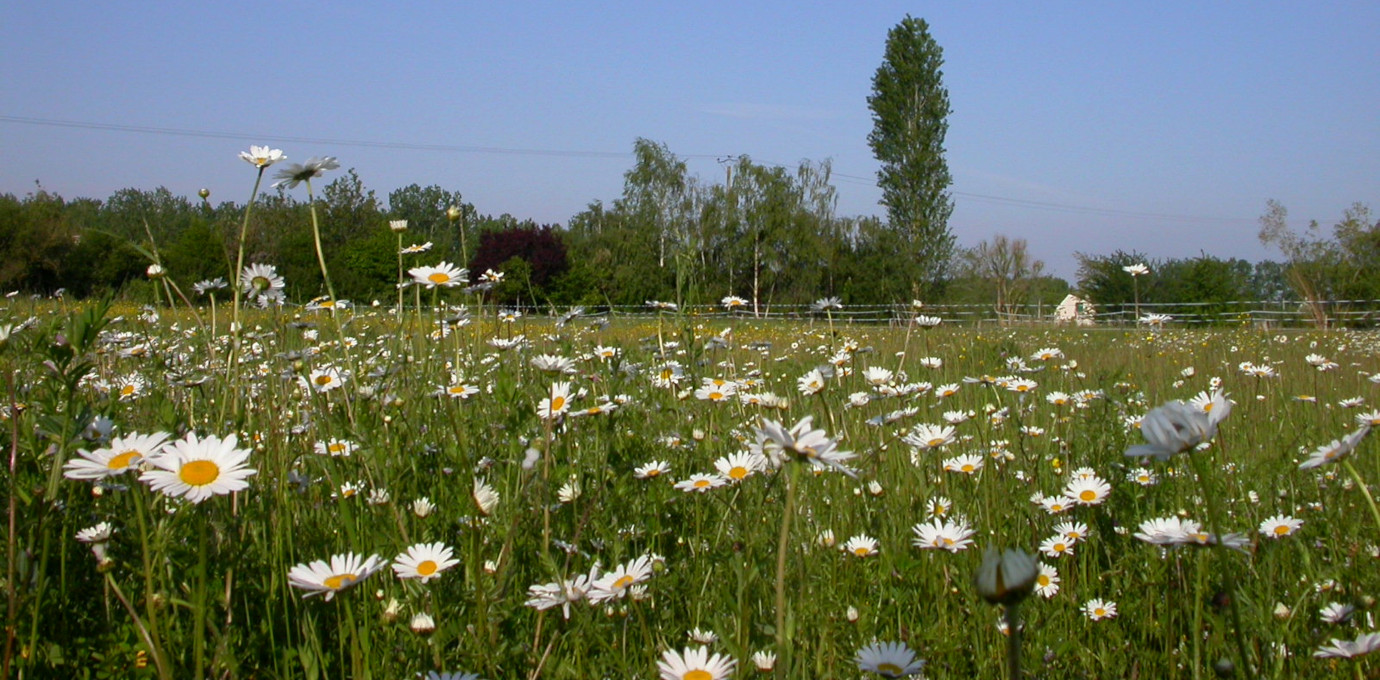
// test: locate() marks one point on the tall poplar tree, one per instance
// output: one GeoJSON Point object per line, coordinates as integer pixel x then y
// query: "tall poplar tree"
{"type": "Point", "coordinates": [910, 108]}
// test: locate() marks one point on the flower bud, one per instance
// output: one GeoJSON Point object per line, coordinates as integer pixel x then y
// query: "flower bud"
{"type": "Point", "coordinates": [454, 213]}
{"type": "Point", "coordinates": [397, 226]}
{"type": "Point", "coordinates": [1006, 577]}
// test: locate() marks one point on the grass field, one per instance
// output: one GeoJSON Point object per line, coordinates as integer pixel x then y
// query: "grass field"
{"type": "Point", "coordinates": [516, 498]}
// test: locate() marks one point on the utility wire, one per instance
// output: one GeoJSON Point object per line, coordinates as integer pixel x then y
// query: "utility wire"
{"type": "Point", "coordinates": [567, 153]}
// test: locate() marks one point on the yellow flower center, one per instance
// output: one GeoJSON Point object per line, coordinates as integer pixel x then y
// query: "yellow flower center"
{"type": "Point", "coordinates": [339, 581]}
{"type": "Point", "coordinates": [967, 467]}
{"type": "Point", "coordinates": [1042, 580]}
{"type": "Point", "coordinates": [698, 674]}
{"type": "Point", "coordinates": [701, 483]}
{"type": "Point", "coordinates": [336, 448]}
{"type": "Point", "coordinates": [1087, 496]}
{"type": "Point", "coordinates": [127, 390]}
{"type": "Point", "coordinates": [323, 379]}
{"type": "Point", "coordinates": [121, 461]}
{"type": "Point", "coordinates": [716, 396]}
{"type": "Point", "coordinates": [426, 568]}
{"type": "Point", "coordinates": [558, 403]}
{"type": "Point", "coordinates": [738, 473]}
{"type": "Point", "coordinates": [944, 542]}
{"type": "Point", "coordinates": [1282, 529]}
{"type": "Point", "coordinates": [888, 668]}
{"type": "Point", "coordinates": [199, 472]}
{"type": "Point", "coordinates": [861, 551]}
{"type": "Point", "coordinates": [438, 277]}
{"type": "Point", "coordinates": [1099, 612]}
{"type": "Point", "coordinates": [935, 442]}
{"type": "Point", "coordinates": [623, 582]}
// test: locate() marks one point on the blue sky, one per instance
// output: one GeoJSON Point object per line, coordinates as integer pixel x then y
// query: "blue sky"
{"type": "Point", "coordinates": [1162, 127]}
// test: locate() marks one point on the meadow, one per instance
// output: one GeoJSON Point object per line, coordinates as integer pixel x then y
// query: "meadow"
{"type": "Point", "coordinates": [438, 491]}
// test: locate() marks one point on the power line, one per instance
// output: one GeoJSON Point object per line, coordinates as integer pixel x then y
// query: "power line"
{"type": "Point", "coordinates": [567, 153]}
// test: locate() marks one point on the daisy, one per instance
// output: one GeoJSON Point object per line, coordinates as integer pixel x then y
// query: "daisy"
{"type": "Point", "coordinates": [764, 661]}
{"type": "Point", "coordinates": [655, 468]}
{"type": "Point", "coordinates": [702, 637]}
{"type": "Point", "coordinates": [951, 535]}
{"type": "Point", "coordinates": [930, 436]}
{"type": "Point", "coordinates": [938, 506]}
{"type": "Point", "coordinates": [197, 469]}
{"type": "Point", "coordinates": [545, 596]}
{"type": "Point", "coordinates": [262, 281]}
{"type": "Point", "coordinates": [485, 498]}
{"type": "Point", "coordinates": [606, 353]}
{"type": "Point", "coordinates": [325, 379]}
{"type": "Point", "coordinates": [1335, 612]}
{"type": "Point", "coordinates": [700, 482]}
{"type": "Point", "coordinates": [811, 383]}
{"type": "Point", "coordinates": [1167, 530]}
{"type": "Point", "coordinates": [731, 301]}
{"type": "Point", "coordinates": [123, 455]}
{"type": "Point", "coordinates": [1056, 546]}
{"type": "Point", "coordinates": [967, 464]}
{"type": "Point", "coordinates": [1368, 419]}
{"type": "Point", "coordinates": [889, 660]}
{"type": "Point", "coordinates": [694, 664]}
{"type": "Point", "coordinates": [444, 274]}
{"type": "Point", "coordinates": [1347, 649]}
{"type": "Point", "coordinates": [1088, 491]}
{"type": "Point", "coordinates": [1056, 504]}
{"type": "Point", "coordinates": [1022, 385]}
{"type": "Point", "coordinates": [96, 534]}
{"type": "Point", "coordinates": [1335, 451]}
{"type": "Point", "coordinates": [946, 391]}
{"type": "Point", "coordinates": [551, 363]}
{"type": "Point", "coordinates": [1097, 609]}
{"type": "Point", "coordinates": [1073, 531]}
{"type": "Point", "coordinates": [424, 561]}
{"type": "Point", "coordinates": [330, 578]}
{"type": "Point", "coordinates": [262, 156]}
{"type": "Point", "coordinates": [1047, 583]}
{"type": "Point", "coordinates": [1280, 526]}
{"type": "Point", "coordinates": [458, 390]}
{"type": "Point", "coordinates": [801, 442]}
{"type": "Point", "coordinates": [415, 248]}
{"type": "Point", "coordinates": [861, 545]}
{"type": "Point", "coordinates": [739, 466]}
{"type": "Point", "coordinates": [334, 447]}
{"type": "Point", "coordinates": [297, 173]}
{"type": "Point", "coordinates": [557, 403]}
{"type": "Point", "coordinates": [617, 581]}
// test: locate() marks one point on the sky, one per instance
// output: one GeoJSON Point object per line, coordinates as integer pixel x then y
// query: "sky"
{"type": "Point", "coordinates": [1160, 127]}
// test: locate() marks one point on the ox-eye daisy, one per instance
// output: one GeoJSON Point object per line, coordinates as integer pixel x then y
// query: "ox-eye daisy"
{"type": "Point", "coordinates": [424, 561]}
{"type": "Point", "coordinates": [330, 578]}
{"type": "Point", "coordinates": [197, 469]}
{"type": "Point", "coordinates": [123, 455]}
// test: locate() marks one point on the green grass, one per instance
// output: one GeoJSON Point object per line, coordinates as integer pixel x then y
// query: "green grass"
{"type": "Point", "coordinates": [208, 582]}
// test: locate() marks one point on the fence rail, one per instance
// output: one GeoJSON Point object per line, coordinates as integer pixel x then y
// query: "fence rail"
{"type": "Point", "coordinates": [1256, 313]}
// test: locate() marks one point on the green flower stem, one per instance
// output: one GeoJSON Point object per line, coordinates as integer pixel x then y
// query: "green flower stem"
{"type": "Point", "coordinates": [239, 295]}
{"type": "Point", "coordinates": [1013, 641]}
{"type": "Point", "coordinates": [1228, 576]}
{"type": "Point", "coordinates": [783, 642]}
{"type": "Point", "coordinates": [1365, 491]}
{"type": "Point", "coordinates": [316, 235]}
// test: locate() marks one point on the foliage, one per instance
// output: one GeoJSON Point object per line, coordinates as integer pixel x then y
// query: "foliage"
{"type": "Point", "coordinates": [540, 248]}
{"type": "Point", "coordinates": [910, 110]}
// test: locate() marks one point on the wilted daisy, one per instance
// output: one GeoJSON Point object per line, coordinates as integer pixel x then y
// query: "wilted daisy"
{"type": "Point", "coordinates": [889, 660]}
{"type": "Point", "coordinates": [1335, 612]}
{"type": "Point", "coordinates": [123, 455]}
{"type": "Point", "coordinates": [1098, 609]}
{"type": "Point", "coordinates": [801, 442]}
{"type": "Point", "coordinates": [764, 661]}
{"type": "Point", "coordinates": [423, 507]}
{"type": "Point", "coordinates": [197, 469]}
{"type": "Point", "coordinates": [695, 663]}
{"type": "Point", "coordinates": [563, 594]}
{"type": "Point", "coordinates": [485, 498]}
{"type": "Point", "coordinates": [424, 561]}
{"type": "Point", "coordinates": [861, 545]}
{"type": "Point", "coordinates": [1280, 526]}
{"type": "Point", "coordinates": [332, 577]}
